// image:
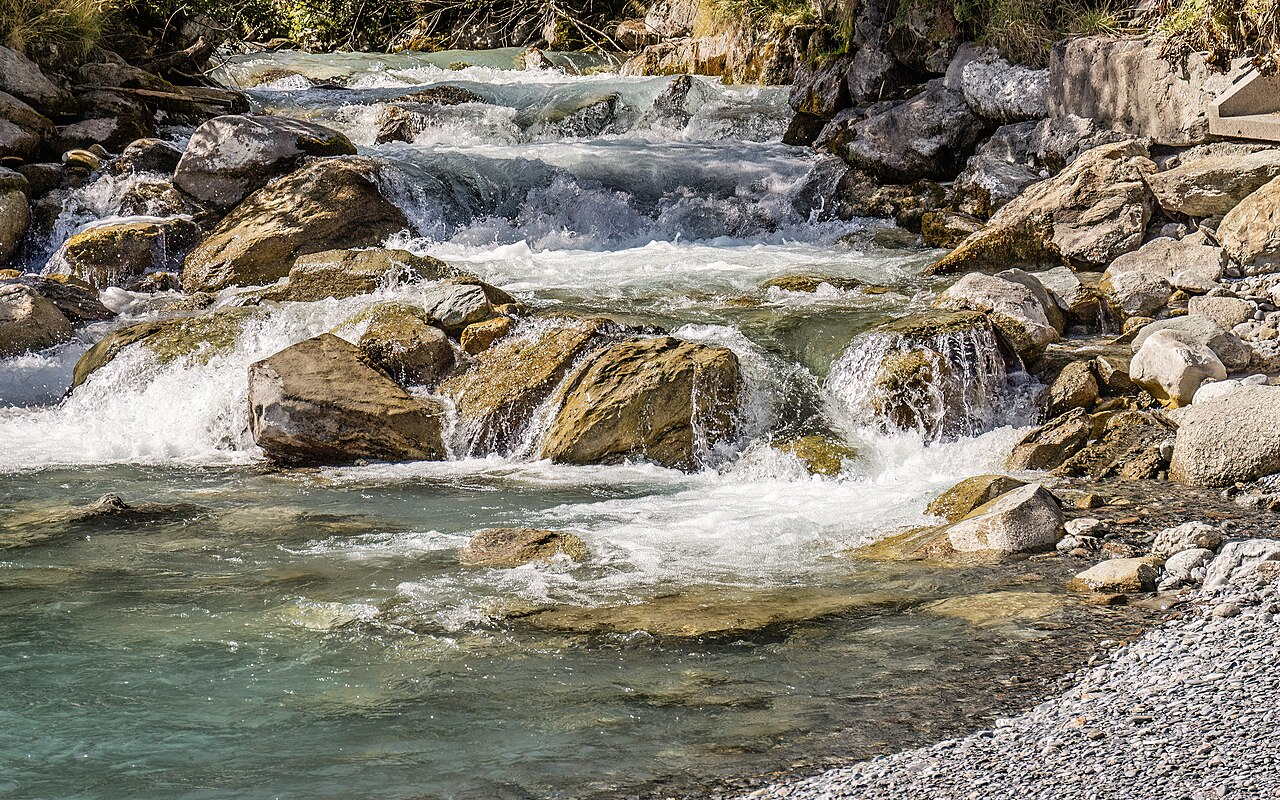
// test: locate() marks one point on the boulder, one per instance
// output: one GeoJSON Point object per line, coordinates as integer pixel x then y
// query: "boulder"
{"type": "Point", "coordinates": [1212, 187]}
{"type": "Point", "coordinates": [29, 322]}
{"type": "Point", "coordinates": [671, 18]}
{"type": "Point", "coordinates": [1117, 576]}
{"type": "Point", "coordinates": [318, 402]}
{"type": "Point", "coordinates": [117, 254]}
{"type": "Point", "coordinates": [400, 340]}
{"type": "Point", "coordinates": [1023, 520]}
{"type": "Point", "coordinates": [998, 171]}
{"type": "Point", "coordinates": [1230, 350]}
{"type": "Point", "coordinates": [346, 273]}
{"type": "Point", "coordinates": [1086, 216]}
{"type": "Point", "coordinates": [73, 297]}
{"type": "Point", "coordinates": [1168, 258]}
{"type": "Point", "coordinates": [1074, 387]}
{"type": "Point", "coordinates": [1226, 312]}
{"type": "Point", "coordinates": [112, 132]}
{"type": "Point", "coordinates": [1052, 443]}
{"type": "Point", "coordinates": [664, 400]}
{"type": "Point", "coordinates": [198, 338]}
{"type": "Point", "coordinates": [634, 34]}
{"type": "Point", "coordinates": [333, 203]}
{"type": "Point", "coordinates": [1250, 232]}
{"type": "Point", "coordinates": [820, 90]}
{"type": "Point", "coordinates": [1076, 295]}
{"type": "Point", "coordinates": [1132, 445]}
{"type": "Point", "coordinates": [1238, 562]}
{"type": "Point", "coordinates": [1187, 536]}
{"type": "Point", "coordinates": [947, 229]}
{"type": "Point", "coordinates": [1019, 315]}
{"type": "Point", "coordinates": [23, 130]}
{"type": "Point", "coordinates": [927, 136]}
{"type": "Point", "coordinates": [480, 336]}
{"type": "Point", "coordinates": [229, 157]}
{"type": "Point", "coordinates": [1171, 365]}
{"type": "Point", "coordinates": [498, 394]}
{"type": "Point", "coordinates": [1135, 294]}
{"type": "Point", "coordinates": [442, 95]}
{"type": "Point", "coordinates": [1188, 566]}
{"type": "Point", "coordinates": [147, 156]}
{"type": "Point", "coordinates": [960, 500]}
{"type": "Point", "coordinates": [1004, 92]}
{"type": "Point", "coordinates": [1233, 437]}
{"type": "Point", "coordinates": [15, 212]}
{"type": "Point", "coordinates": [22, 78]}
{"type": "Point", "coordinates": [399, 124]}
{"type": "Point", "coordinates": [512, 547]}
{"type": "Point", "coordinates": [455, 305]}
{"type": "Point", "coordinates": [1130, 85]}
{"type": "Point", "coordinates": [819, 454]}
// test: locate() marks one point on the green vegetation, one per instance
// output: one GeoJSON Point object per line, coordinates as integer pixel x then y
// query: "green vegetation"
{"type": "Point", "coordinates": [1226, 29]}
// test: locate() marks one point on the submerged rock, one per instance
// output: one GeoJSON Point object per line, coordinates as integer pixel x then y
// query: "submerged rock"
{"type": "Point", "coordinates": [334, 203]}
{"type": "Point", "coordinates": [198, 337]}
{"type": "Point", "coordinates": [231, 156]}
{"type": "Point", "coordinates": [818, 454]}
{"type": "Point", "coordinates": [960, 500]}
{"type": "Point", "coordinates": [511, 547]}
{"type": "Point", "coordinates": [120, 254]}
{"type": "Point", "coordinates": [29, 322]}
{"type": "Point", "coordinates": [664, 400]}
{"type": "Point", "coordinates": [1231, 438]}
{"type": "Point", "coordinates": [318, 402]}
{"type": "Point", "coordinates": [1086, 216]}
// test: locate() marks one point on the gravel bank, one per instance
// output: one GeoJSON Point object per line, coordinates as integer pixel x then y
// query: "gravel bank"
{"type": "Point", "coordinates": [1191, 710]}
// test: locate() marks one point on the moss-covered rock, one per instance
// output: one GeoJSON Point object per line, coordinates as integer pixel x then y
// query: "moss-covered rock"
{"type": "Point", "coordinates": [960, 500]}
{"type": "Point", "coordinates": [120, 254]}
{"type": "Point", "coordinates": [199, 338]}
{"type": "Point", "coordinates": [809, 283]}
{"type": "Point", "coordinates": [346, 273]}
{"type": "Point", "coordinates": [819, 454]}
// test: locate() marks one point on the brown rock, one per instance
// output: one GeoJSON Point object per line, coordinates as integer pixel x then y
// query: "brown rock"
{"type": "Point", "coordinates": [960, 500]}
{"type": "Point", "coordinates": [401, 341]}
{"type": "Point", "coordinates": [511, 547]}
{"type": "Point", "coordinates": [480, 336]}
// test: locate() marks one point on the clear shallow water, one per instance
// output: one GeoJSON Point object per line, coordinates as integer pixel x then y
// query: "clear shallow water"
{"type": "Point", "coordinates": [311, 633]}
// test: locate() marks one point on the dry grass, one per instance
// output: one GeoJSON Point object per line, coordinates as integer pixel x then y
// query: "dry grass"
{"type": "Point", "coordinates": [69, 28]}
{"type": "Point", "coordinates": [1225, 29]}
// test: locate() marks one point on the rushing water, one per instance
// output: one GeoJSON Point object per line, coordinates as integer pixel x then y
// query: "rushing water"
{"type": "Point", "coordinates": [311, 634]}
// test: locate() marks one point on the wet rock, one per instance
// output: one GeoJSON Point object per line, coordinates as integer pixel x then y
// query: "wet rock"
{"type": "Point", "coordinates": [947, 228]}
{"type": "Point", "coordinates": [480, 336]}
{"type": "Point", "coordinates": [347, 273]}
{"type": "Point", "coordinates": [512, 547]}
{"type": "Point", "coordinates": [1018, 314]}
{"type": "Point", "coordinates": [1250, 232]}
{"type": "Point", "coordinates": [454, 306]}
{"type": "Point", "coordinates": [819, 454]}
{"type": "Point", "coordinates": [675, 106]}
{"type": "Point", "coordinates": [29, 322]}
{"type": "Point", "coordinates": [809, 283]}
{"type": "Point", "coordinates": [400, 340]}
{"type": "Point", "coordinates": [442, 95]}
{"type": "Point", "coordinates": [333, 203]}
{"type": "Point", "coordinates": [157, 198]}
{"type": "Point", "coordinates": [498, 393]}
{"type": "Point", "coordinates": [229, 157]}
{"type": "Point", "coordinates": [591, 116]}
{"type": "Point", "coordinates": [1052, 443]}
{"type": "Point", "coordinates": [960, 500]}
{"type": "Point", "coordinates": [1238, 562]}
{"type": "Point", "coordinates": [1023, 520]}
{"type": "Point", "coordinates": [927, 136]}
{"type": "Point", "coordinates": [120, 253]}
{"type": "Point", "coordinates": [1231, 438]}
{"type": "Point", "coordinates": [15, 212]}
{"type": "Point", "coordinates": [820, 90]}
{"type": "Point", "coordinates": [1086, 216]}
{"type": "Point", "coordinates": [198, 337]}
{"type": "Point", "coordinates": [147, 156]}
{"type": "Point", "coordinates": [318, 402]}
{"type": "Point", "coordinates": [1172, 365]}
{"type": "Point", "coordinates": [1004, 92]}
{"type": "Point", "coordinates": [1074, 387]}
{"type": "Point", "coordinates": [1117, 576]}
{"type": "Point", "coordinates": [1132, 445]}
{"type": "Point", "coordinates": [1212, 187]}
{"type": "Point", "coordinates": [1187, 536]}
{"type": "Point", "coordinates": [112, 132]}
{"type": "Point", "coordinates": [662, 399]}
{"type": "Point", "coordinates": [1230, 350]}
{"type": "Point", "coordinates": [721, 612]}
{"type": "Point", "coordinates": [73, 297]}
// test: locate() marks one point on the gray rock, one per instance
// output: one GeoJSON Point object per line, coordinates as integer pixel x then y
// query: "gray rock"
{"type": "Point", "coordinates": [1211, 187]}
{"type": "Point", "coordinates": [229, 157]}
{"type": "Point", "coordinates": [1187, 536]}
{"type": "Point", "coordinates": [1117, 576]}
{"type": "Point", "coordinates": [1167, 258]}
{"type": "Point", "coordinates": [1024, 520]}
{"type": "Point", "coordinates": [1171, 365]}
{"type": "Point", "coordinates": [1004, 92]}
{"type": "Point", "coordinates": [23, 130]}
{"type": "Point", "coordinates": [1234, 437]}
{"type": "Point", "coordinates": [1188, 566]}
{"type": "Point", "coordinates": [15, 213]}
{"type": "Point", "coordinates": [1250, 233]}
{"type": "Point", "coordinates": [29, 322]}
{"type": "Point", "coordinates": [1230, 350]}
{"type": "Point", "coordinates": [671, 18]}
{"type": "Point", "coordinates": [1019, 315]}
{"type": "Point", "coordinates": [318, 402]}
{"type": "Point", "coordinates": [454, 306]}
{"type": "Point", "coordinates": [1237, 561]}
{"type": "Point", "coordinates": [1227, 312]}
{"type": "Point", "coordinates": [22, 78]}
{"type": "Point", "coordinates": [1135, 294]}
{"type": "Point", "coordinates": [147, 156]}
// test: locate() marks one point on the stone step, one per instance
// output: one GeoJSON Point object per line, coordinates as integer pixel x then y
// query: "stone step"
{"type": "Point", "coordinates": [1250, 109]}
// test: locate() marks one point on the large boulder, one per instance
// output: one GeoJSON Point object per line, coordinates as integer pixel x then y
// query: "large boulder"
{"type": "Point", "coordinates": [346, 273]}
{"type": "Point", "coordinates": [1250, 233]}
{"type": "Point", "coordinates": [512, 547]}
{"type": "Point", "coordinates": [15, 212]}
{"type": "Point", "coordinates": [662, 399]}
{"type": "Point", "coordinates": [1230, 350]}
{"type": "Point", "coordinates": [400, 340]}
{"type": "Point", "coordinates": [1211, 187]}
{"type": "Point", "coordinates": [497, 395]}
{"type": "Point", "coordinates": [1086, 216]}
{"type": "Point", "coordinates": [22, 78]}
{"type": "Point", "coordinates": [118, 254]}
{"type": "Point", "coordinates": [1233, 437]}
{"type": "Point", "coordinates": [1019, 314]}
{"type": "Point", "coordinates": [318, 402]}
{"type": "Point", "coordinates": [1172, 365]}
{"type": "Point", "coordinates": [28, 321]}
{"type": "Point", "coordinates": [229, 157]}
{"type": "Point", "coordinates": [1130, 85]}
{"type": "Point", "coordinates": [1226, 312]}
{"type": "Point", "coordinates": [1180, 262]}
{"type": "Point", "coordinates": [1023, 520]}
{"type": "Point", "coordinates": [927, 136]}
{"type": "Point", "coordinates": [73, 297]}
{"type": "Point", "coordinates": [333, 203]}
{"type": "Point", "coordinates": [1004, 92]}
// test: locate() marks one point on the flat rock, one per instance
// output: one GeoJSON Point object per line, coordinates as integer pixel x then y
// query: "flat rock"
{"type": "Point", "coordinates": [1212, 187]}
{"type": "Point", "coordinates": [960, 500]}
{"type": "Point", "coordinates": [512, 547]}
